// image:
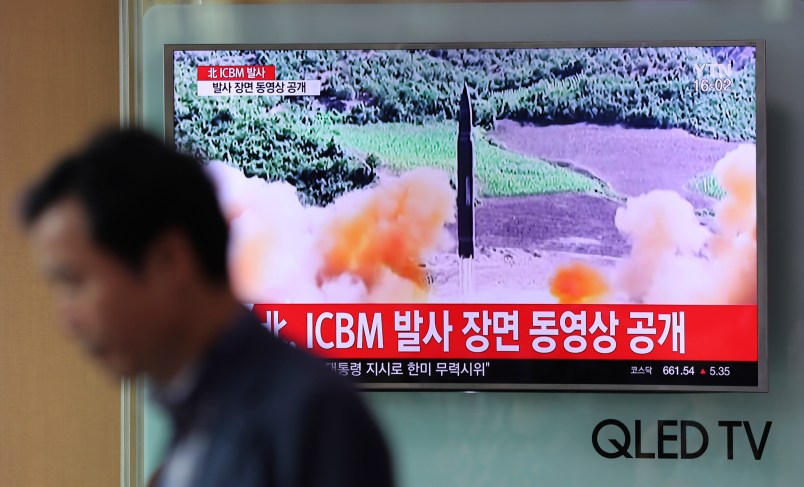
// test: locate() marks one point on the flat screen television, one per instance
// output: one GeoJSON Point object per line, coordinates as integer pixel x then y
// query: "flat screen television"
{"type": "Point", "coordinates": [493, 216]}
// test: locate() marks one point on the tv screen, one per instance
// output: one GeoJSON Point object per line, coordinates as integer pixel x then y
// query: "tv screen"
{"type": "Point", "coordinates": [493, 217]}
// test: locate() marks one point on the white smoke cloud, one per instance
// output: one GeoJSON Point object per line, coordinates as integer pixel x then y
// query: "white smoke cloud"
{"type": "Point", "coordinates": [675, 259]}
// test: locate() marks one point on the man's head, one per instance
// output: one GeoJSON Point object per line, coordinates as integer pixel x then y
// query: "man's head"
{"type": "Point", "coordinates": [128, 232]}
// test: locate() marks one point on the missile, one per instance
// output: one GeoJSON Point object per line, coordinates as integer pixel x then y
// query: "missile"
{"type": "Point", "coordinates": [465, 182]}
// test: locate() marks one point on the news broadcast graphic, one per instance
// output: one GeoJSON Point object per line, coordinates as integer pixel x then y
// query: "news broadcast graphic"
{"type": "Point", "coordinates": [492, 217]}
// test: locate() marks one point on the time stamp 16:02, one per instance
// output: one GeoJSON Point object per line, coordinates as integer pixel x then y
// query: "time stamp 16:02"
{"type": "Point", "coordinates": [691, 370]}
{"type": "Point", "coordinates": [713, 77]}
{"type": "Point", "coordinates": [716, 85]}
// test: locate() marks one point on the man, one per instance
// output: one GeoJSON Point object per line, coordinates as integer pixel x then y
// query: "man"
{"type": "Point", "coordinates": [131, 236]}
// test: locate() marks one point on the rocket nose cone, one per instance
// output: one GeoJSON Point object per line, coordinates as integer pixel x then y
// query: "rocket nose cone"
{"type": "Point", "coordinates": [465, 111]}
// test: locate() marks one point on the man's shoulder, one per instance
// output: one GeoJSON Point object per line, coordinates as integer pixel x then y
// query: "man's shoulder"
{"type": "Point", "coordinates": [287, 392]}
{"type": "Point", "coordinates": [291, 412]}
{"type": "Point", "coordinates": [274, 371]}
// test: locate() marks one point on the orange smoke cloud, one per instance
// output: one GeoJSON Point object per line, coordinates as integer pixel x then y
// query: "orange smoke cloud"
{"type": "Point", "coordinates": [365, 247]}
{"type": "Point", "coordinates": [388, 228]}
{"type": "Point", "coordinates": [735, 247]}
{"type": "Point", "coordinates": [578, 283]}
{"type": "Point", "coordinates": [676, 259]}
{"type": "Point", "coordinates": [736, 174]}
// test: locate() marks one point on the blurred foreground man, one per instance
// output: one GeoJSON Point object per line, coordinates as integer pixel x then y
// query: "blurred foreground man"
{"type": "Point", "coordinates": [132, 239]}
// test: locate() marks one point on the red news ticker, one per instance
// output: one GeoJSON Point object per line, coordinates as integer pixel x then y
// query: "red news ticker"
{"type": "Point", "coordinates": [236, 73]}
{"type": "Point", "coordinates": [532, 332]}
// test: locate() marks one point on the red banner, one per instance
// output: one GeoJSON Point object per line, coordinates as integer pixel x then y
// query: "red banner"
{"type": "Point", "coordinates": [476, 331]}
{"type": "Point", "coordinates": [236, 73]}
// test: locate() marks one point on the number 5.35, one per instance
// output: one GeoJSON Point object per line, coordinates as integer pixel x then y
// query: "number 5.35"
{"type": "Point", "coordinates": [719, 371]}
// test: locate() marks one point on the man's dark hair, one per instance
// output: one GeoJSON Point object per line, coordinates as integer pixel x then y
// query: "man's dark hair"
{"type": "Point", "coordinates": [134, 188]}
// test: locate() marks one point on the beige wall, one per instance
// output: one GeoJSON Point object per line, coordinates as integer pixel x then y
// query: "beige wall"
{"type": "Point", "coordinates": [59, 417]}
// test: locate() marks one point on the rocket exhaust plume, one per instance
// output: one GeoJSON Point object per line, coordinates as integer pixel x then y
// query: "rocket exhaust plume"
{"type": "Point", "coordinates": [578, 283]}
{"type": "Point", "coordinates": [365, 247]}
{"type": "Point", "coordinates": [677, 260]}
{"type": "Point", "coordinates": [734, 248]}
{"type": "Point", "coordinates": [369, 234]}
{"type": "Point", "coordinates": [662, 228]}
{"type": "Point", "coordinates": [736, 174]}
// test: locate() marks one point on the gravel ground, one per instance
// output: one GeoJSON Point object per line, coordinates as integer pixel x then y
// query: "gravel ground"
{"type": "Point", "coordinates": [632, 161]}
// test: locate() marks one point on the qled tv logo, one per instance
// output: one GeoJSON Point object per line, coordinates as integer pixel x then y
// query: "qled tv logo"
{"type": "Point", "coordinates": [614, 439]}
